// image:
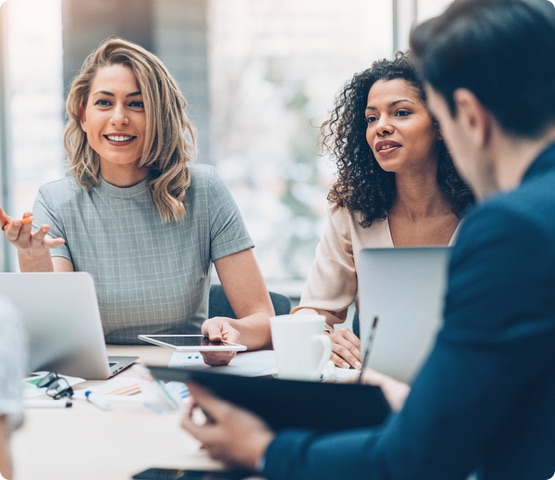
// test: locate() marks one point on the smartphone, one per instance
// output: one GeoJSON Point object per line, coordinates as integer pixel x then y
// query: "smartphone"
{"type": "Point", "coordinates": [192, 343]}
{"type": "Point", "coordinates": [174, 474]}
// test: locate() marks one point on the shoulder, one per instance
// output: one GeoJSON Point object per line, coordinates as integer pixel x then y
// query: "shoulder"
{"type": "Point", "coordinates": [347, 223]}
{"type": "Point", "coordinates": [61, 188]}
{"type": "Point", "coordinates": [525, 213]}
{"type": "Point", "coordinates": [203, 174]}
{"type": "Point", "coordinates": [204, 178]}
{"type": "Point", "coordinates": [511, 234]}
{"type": "Point", "coordinates": [341, 216]}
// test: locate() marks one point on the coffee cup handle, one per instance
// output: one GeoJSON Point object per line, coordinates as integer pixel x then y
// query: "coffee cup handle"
{"type": "Point", "coordinates": [326, 351]}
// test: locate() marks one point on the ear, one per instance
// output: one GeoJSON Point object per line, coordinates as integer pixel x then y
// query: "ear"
{"type": "Point", "coordinates": [473, 117]}
{"type": "Point", "coordinates": [83, 118]}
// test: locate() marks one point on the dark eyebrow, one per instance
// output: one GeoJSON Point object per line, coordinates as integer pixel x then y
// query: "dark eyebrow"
{"type": "Point", "coordinates": [392, 104]}
{"type": "Point", "coordinates": [110, 94]}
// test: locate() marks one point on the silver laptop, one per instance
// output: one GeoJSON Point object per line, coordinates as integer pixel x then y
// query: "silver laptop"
{"type": "Point", "coordinates": [404, 287]}
{"type": "Point", "coordinates": [61, 315]}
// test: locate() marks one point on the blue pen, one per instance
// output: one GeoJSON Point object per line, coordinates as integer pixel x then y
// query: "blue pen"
{"type": "Point", "coordinates": [97, 401]}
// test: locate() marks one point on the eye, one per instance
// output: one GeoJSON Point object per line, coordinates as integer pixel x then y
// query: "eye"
{"type": "Point", "coordinates": [103, 103]}
{"type": "Point", "coordinates": [402, 113]}
{"type": "Point", "coordinates": [371, 118]}
{"type": "Point", "coordinates": [137, 104]}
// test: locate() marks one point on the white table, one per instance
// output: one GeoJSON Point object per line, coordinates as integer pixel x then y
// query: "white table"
{"type": "Point", "coordinates": [86, 443]}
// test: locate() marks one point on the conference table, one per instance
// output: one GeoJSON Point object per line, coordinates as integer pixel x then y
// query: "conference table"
{"type": "Point", "coordinates": [86, 443]}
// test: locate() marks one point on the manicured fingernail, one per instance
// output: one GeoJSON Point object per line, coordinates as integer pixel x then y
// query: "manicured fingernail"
{"type": "Point", "coordinates": [358, 365]}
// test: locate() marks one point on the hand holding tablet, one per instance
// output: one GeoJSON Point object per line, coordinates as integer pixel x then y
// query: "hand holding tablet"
{"type": "Point", "coordinates": [192, 343]}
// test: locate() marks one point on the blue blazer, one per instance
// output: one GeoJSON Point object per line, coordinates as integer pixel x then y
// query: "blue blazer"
{"type": "Point", "coordinates": [484, 401]}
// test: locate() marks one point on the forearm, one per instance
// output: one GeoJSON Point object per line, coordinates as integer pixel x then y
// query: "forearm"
{"type": "Point", "coordinates": [299, 454]}
{"type": "Point", "coordinates": [35, 262]}
{"type": "Point", "coordinates": [332, 318]}
{"type": "Point", "coordinates": [254, 330]}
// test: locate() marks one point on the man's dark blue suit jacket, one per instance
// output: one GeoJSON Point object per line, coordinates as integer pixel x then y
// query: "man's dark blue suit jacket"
{"type": "Point", "coordinates": [484, 401]}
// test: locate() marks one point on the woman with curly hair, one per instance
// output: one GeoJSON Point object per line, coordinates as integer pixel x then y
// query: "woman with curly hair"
{"type": "Point", "coordinates": [138, 216]}
{"type": "Point", "coordinates": [396, 186]}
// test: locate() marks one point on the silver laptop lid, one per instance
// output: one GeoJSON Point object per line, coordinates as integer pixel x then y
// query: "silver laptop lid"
{"type": "Point", "coordinates": [60, 312]}
{"type": "Point", "coordinates": [404, 287]}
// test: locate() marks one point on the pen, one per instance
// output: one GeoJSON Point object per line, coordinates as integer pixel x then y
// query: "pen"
{"type": "Point", "coordinates": [23, 221]}
{"type": "Point", "coordinates": [368, 347]}
{"type": "Point", "coordinates": [99, 402]}
{"type": "Point", "coordinates": [47, 403]}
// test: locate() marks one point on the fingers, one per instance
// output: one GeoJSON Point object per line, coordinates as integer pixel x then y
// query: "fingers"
{"type": "Point", "coordinates": [212, 329]}
{"type": "Point", "coordinates": [345, 349]}
{"type": "Point", "coordinates": [188, 421]}
{"type": "Point", "coordinates": [20, 233]}
{"type": "Point", "coordinates": [7, 222]}
{"type": "Point", "coordinates": [394, 391]}
{"type": "Point", "coordinates": [338, 361]}
{"type": "Point", "coordinates": [18, 229]}
{"type": "Point", "coordinates": [50, 242]}
{"type": "Point", "coordinates": [232, 434]}
{"type": "Point", "coordinates": [213, 407]}
{"type": "Point", "coordinates": [218, 359]}
{"type": "Point", "coordinates": [220, 329]}
{"type": "Point", "coordinates": [4, 219]}
{"type": "Point", "coordinates": [350, 337]}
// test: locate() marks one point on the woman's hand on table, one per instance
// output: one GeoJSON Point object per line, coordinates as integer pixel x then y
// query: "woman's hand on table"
{"type": "Point", "coordinates": [219, 329]}
{"type": "Point", "coordinates": [345, 349]}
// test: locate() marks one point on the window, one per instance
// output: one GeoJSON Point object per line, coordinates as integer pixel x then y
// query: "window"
{"type": "Point", "coordinates": [274, 68]}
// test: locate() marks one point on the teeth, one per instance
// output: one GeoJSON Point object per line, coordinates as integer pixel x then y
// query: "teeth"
{"type": "Point", "coordinates": [118, 138]}
{"type": "Point", "coordinates": [386, 147]}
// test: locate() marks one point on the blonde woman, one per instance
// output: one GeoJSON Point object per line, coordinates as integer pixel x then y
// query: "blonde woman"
{"type": "Point", "coordinates": [137, 215]}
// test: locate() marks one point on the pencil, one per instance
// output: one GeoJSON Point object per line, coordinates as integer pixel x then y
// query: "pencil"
{"type": "Point", "coordinates": [368, 347]}
{"type": "Point", "coordinates": [23, 221]}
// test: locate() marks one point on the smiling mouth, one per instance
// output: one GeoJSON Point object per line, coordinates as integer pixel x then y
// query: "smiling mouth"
{"type": "Point", "coordinates": [385, 148]}
{"type": "Point", "coordinates": [119, 138]}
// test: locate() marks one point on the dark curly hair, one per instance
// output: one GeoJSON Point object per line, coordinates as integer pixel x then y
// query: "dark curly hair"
{"type": "Point", "coordinates": [362, 185]}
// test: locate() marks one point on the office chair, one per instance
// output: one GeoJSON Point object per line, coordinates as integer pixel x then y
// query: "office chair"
{"type": "Point", "coordinates": [356, 325]}
{"type": "Point", "coordinates": [219, 306]}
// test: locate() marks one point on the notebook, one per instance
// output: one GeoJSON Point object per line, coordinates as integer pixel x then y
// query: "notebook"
{"type": "Point", "coordinates": [291, 403]}
{"type": "Point", "coordinates": [404, 287]}
{"type": "Point", "coordinates": [61, 315]}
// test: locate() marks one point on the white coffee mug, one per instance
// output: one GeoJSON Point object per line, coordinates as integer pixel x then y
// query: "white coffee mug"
{"type": "Point", "coordinates": [302, 349]}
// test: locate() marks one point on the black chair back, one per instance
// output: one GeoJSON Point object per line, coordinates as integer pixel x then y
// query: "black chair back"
{"type": "Point", "coordinates": [219, 306]}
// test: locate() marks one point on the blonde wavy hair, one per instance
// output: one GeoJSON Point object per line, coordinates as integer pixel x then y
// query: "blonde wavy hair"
{"type": "Point", "coordinates": [170, 138]}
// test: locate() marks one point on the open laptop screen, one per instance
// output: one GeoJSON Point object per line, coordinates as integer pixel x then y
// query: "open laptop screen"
{"type": "Point", "coordinates": [404, 287]}
{"type": "Point", "coordinates": [60, 312]}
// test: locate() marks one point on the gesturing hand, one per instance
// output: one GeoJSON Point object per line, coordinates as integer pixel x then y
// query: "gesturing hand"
{"type": "Point", "coordinates": [20, 234]}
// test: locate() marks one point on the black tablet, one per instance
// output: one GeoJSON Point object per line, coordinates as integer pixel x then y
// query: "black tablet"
{"type": "Point", "coordinates": [291, 403]}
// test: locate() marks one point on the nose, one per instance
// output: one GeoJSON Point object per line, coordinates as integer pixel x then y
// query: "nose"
{"type": "Point", "coordinates": [119, 116]}
{"type": "Point", "coordinates": [384, 126]}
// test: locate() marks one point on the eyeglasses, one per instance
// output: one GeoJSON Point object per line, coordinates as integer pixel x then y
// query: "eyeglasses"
{"type": "Point", "coordinates": [56, 386]}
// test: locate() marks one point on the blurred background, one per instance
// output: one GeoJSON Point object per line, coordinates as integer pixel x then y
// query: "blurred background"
{"type": "Point", "coordinates": [260, 77]}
